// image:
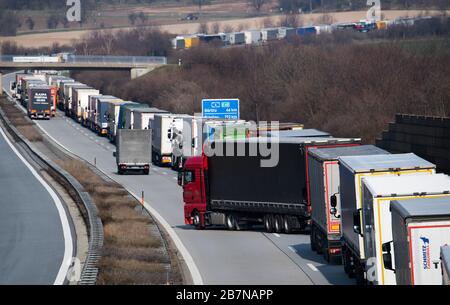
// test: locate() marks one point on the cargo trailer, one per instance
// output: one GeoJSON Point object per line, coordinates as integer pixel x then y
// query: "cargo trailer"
{"type": "Point", "coordinates": [351, 171]}
{"type": "Point", "coordinates": [286, 32]}
{"type": "Point", "coordinates": [113, 118]}
{"type": "Point", "coordinates": [143, 117]}
{"type": "Point", "coordinates": [307, 30]}
{"type": "Point", "coordinates": [252, 36]}
{"type": "Point", "coordinates": [191, 42]}
{"type": "Point", "coordinates": [178, 43]}
{"type": "Point", "coordinates": [61, 96]}
{"type": "Point", "coordinates": [323, 29]}
{"type": "Point", "coordinates": [325, 198]}
{"type": "Point", "coordinates": [445, 264]}
{"type": "Point", "coordinates": [28, 83]}
{"type": "Point", "coordinates": [302, 133]}
{"type": "Point", "coordinates": [100, 113]}
{"type": "Point", "coordinates": [236, 38]}
{"type": "Point", "coordinates": [133, 151]}
{"type": "Point", "coordinates": [40, 102]}
{"type": "Point", "coordinates": [129, 111]}
{"type": "Point", "coordinates": [162, 126]}
{"type": "Point", "coordinates": [80, 102]}
{"type": "Point", "coordinates": [420, 228]}
{"type": "Point", "coordinates": [252, 186]}
{"type": "Point", "coordinates": [269, 34]}
{"type": "Point", "coordinates": [122, 119]}
{"type": "Point", "coordinates": [68, 95]}
{"type": "Point", "coordinates": [213, 38]}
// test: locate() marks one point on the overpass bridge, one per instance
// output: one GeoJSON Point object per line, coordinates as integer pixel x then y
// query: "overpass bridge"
{"type": "Point", "coordinates": [137, 65]}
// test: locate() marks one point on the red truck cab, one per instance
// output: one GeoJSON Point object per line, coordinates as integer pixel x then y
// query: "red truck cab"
{"type": "Point", "coordinates": [192, 179]}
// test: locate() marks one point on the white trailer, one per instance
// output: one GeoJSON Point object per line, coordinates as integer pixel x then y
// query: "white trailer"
{"type": "Point", "coordinates": [142, 117]}
{"type": "Point", "coordinates": [351, 171]}
{"type": "Point", "coordinates": [113, 118]}
{"type": "Point", "coordinates": [420, 227]}
{"type": "Point", "coordinates": [236, 38]}
{"type": "Point", "coordinates": [100, 113]}
{"type": "Point", "coordinates": [252, 36]}
{"type": "Point", "coordinates": [378, 192]}
{"type": "Point", "coordinates": [162, 127]}
{"type": "Point", "coordinates": [80, 102]}
{"type": "Point", "coordinates": [286, 32]}
{"type": "Point", "coordinates": [269, 34]}
{"type": "Point", "coordinates": [68, 95]}
{"type": "Point", "coordinates": [325, 197]}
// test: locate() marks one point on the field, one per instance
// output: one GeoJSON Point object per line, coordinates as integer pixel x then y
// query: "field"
{"type": "Point", "coordinates": [67, 37]}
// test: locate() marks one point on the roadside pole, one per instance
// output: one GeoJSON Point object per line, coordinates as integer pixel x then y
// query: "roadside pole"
{"type": "Point", "coordinates": [1, 84]}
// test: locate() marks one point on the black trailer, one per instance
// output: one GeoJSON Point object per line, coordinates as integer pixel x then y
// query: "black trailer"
{"type": "Point", "coordinates": [39, 102]}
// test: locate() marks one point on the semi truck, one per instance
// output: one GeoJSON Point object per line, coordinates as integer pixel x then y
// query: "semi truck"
{"type": "Point", "coordinates": [68, 91]}
{"type": "Point", "coordinates": [113, 118]}
{"type": "Point", "coordinates": [100, 123]}
{"type": "Point", "coordinates": [323, 167]}
{"type": "Point", "coordinates": [40, 102]}
{"type": "Point", "coordinates": [80, 102]}
{"type": "Point", "coordinates": [122, 120]}
{"type": "Point", "coordinates": [133, 151]}
{"type": "Point", "coordinates": [376, 227]}
{"type": "Point", "coordinates": [61, 99]}
{"type": "Point", "coordinates": [143, 117]}
{"type": "Point", "coordinates": [351, 171]}
{"type": "Point", "coordinates": [237, 190]}
{"type": "Point", "coordinates": [420, 229]}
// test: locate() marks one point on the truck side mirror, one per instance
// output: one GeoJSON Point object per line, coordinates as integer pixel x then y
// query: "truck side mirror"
{"type": "Point", "coordinates": [387, 256]}
{"type": "Point", "coordinates": [114, 154]}
{"type": "Point", "coordinates": [357, 222]}
{"type": "Point", "coordinates": [333, 201]}
{"type": "Point", "coordinates": [180, 178]}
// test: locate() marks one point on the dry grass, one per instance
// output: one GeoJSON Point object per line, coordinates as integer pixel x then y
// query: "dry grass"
{"type": "Point", "coordinates": [18, 119]}
{"type": "Point", "coordinates": [131, 254]}
{"type": "Point", "coordinates": [30, 132]}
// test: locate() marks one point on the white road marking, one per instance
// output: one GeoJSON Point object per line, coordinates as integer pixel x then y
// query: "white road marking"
{"type": "Point", "coordinates": [292, 249]}
{"type": "Point", "coordinates": [195, 273]}
{"type": "Point", "coordinates": [276, 234]}
{"type": "Point", "coordinates": [313, 268]}
{"type": "Point", "coordinates": [68, 248]}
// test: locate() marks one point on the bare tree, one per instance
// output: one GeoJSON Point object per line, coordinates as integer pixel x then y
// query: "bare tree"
{"type": "Point", "coordinates": [215, 28]}
{"type": "Point", "coordinates": [202, 28]}
{"type": "Point", "coordinates": [257, 4]}
{"type": "Point", "coordinates": [228, 28]}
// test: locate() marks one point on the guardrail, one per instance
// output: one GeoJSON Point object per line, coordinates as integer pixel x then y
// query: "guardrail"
{"type": "Point", "coordinates": [89, 272]}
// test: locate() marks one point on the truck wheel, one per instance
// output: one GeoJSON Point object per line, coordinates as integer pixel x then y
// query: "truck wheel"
{"type": "Point", "coordinates": [359, 274]}
{"type": "Point", "coordinates": [146, 171]}
{"type": "Point", "coordinates": [268, 223]}
{"type": "Point", "coordinates": [197, 221]}
{"type": "Point", "coordinates": [287, 225]}
{"type": "Point", "coordinates": [230, 222]}
{"type": "Point", "coordinates": [278, 224]}
{"type": "Point", "coordinates": [346, 261]}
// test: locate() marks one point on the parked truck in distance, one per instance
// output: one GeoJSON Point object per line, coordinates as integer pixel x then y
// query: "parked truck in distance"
{"type": "Point", "coordinates": [133, 152]}
{"type": "Point", "coordinates": [237, 190]}
{"type": "Point", "coordinates": [325, 197]}
{"type": "Point", "coordinates": [420, 227]}
{"type": "Point", "coordinates": [40, 102]}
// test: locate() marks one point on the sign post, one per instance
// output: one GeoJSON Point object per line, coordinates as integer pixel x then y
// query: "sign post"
{"type": "Point", "coordinates": [227, 109]}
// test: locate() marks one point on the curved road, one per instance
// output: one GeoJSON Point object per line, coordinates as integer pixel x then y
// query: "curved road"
{"type": "Point", "coordinates": [220, 256]}
{"type": "Point", "coordinates": [34, 232]}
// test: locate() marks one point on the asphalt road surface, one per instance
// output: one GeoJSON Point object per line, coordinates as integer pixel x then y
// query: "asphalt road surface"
{"type": "Point", "coordinates": [220, 256]}
{"type": "Point", "coordinates": [33, 240]}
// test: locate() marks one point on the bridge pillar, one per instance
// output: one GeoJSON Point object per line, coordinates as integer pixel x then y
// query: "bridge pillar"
{"type": "Point", "coordinates": [1, 84]}
{"type": "Point", "coordinates": [138, 72]}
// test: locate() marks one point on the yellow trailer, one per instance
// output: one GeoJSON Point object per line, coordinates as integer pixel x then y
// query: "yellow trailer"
{"type": "Point", "coordinates": [191, 42]}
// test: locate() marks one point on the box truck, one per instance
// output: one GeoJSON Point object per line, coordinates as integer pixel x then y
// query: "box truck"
{"type": "Point", "coordinates": [162, 127]}
{"type": "Point", "coordinates": [378, 192]}
{"type": "Point", "coordinates": [445, 264]}
{"type": "Point", "coordinates": [143, 117]}
{"type": "Point", "coordinates": [100, 106]}
{"type": "Point", "coordinates": [420, 229]}
{"type": "Point", "coordinates": [68, 95]}
{"type": "Point", "coordinates": [133, 151]}
{"type": "Point", "coordinates": [351, 171]}
{"type": "Point", "coordinates": [324, 183]}
{"type": "Point", "coordinates": [255, 186]}
{"type": "Point", "coordinates": [80, 102]}
{"type": "Point", "coordinates": [113, 118]}
{"type": "Point", "coordinates": [40, 102]}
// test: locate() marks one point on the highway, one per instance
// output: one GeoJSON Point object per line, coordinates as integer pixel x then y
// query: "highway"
{"type": "Point", "coordinates": [35, 237]}
{"type": "Point", "coordinates": [218, 256]}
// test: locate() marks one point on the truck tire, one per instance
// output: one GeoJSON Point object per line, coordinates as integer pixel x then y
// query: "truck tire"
{"type": "Point", "coordinates": [287, 225]}
{"type": "Point", "coordinates": [230, 222]}
{"type": "Point", "coordinates": [278, 223]}
{"type": "Point", "coordinates": [268, 223]}
{"type": "Point", "coordinates": [197, 221]}
{"type": "Point", "coordinates": [359, 274]}
{"type": "Point", "coordinates": [346, 261]}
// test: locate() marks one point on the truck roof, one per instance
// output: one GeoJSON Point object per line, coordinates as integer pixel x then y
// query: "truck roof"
{"type": "Point", "coordinates": [422, 207]}
{"type": "Point", "coordinates": [46, 87]}
{"type": "Point", "coordinates": [307, 133]}
{"type": "Point", "coordinates": [150, 110]}
{"type": "Point", "coordinates": [335, 152]}
{"type": "Point", "coordinates": [294, 140]}
{"type": "Point", "coordinates": [405, 185]}
{"type": "Point", "coordinates": [382, 163]}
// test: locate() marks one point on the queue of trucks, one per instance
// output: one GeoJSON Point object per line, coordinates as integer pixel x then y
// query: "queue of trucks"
{"type": "Point", "coordinates": [384, 217]}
